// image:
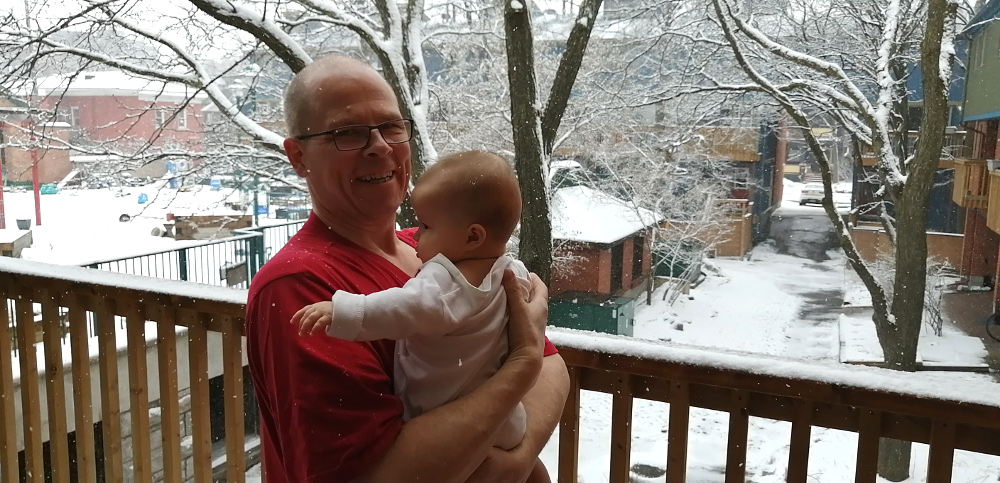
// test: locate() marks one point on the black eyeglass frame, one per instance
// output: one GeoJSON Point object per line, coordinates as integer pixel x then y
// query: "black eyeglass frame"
{"type": "Point", "coordinates": [332, 133]}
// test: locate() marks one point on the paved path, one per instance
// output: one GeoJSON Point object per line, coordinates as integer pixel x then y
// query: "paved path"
{"type": "Point", "coordinates": [808, 233]}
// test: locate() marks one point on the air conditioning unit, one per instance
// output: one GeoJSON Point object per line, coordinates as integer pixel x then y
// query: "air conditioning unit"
{"type": "Point", "coordinates": [993, 164]}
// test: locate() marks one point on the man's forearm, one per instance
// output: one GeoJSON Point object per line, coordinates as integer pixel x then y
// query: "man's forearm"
{"type": "Point", "coordinates": [544, 403]}
{"type": "Point", "coordinates": [459, 433]}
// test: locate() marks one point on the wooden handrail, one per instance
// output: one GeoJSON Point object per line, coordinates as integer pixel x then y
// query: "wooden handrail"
{"type": "Point", "coordinates": [120, 309]}
{"type": "Point", "coordinates": [871, 402]}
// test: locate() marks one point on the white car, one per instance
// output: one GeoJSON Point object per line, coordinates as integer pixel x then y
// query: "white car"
{"type": "Point", "coordinates": [811, 193]}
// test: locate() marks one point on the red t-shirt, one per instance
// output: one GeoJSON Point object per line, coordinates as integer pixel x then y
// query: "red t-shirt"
{"type": "Point", "coordinates": [327, 408]}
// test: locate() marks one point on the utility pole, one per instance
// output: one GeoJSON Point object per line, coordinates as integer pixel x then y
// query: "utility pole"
{"type": "Point", "coordinates": [31, 126]}
{"type": "Point", "coordinates": [3, 217]}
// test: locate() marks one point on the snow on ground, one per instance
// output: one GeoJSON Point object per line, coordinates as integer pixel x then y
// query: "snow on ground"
{"type": "Point", "coordinates": [767, 304]}
{"type": "Point", "coordinates": [759, 306]}
{"type": "Point", "coordinates": [79, 226]}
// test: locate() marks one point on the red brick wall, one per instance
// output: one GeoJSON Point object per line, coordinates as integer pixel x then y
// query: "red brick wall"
{"type": "Point", "coordinates": [583, 273]}
{"type": "Point", "coordinates": [53, 164]}
{"type": "Point", "coordinates": [104, 118]}
{"type": "Point", "coordinates": [590, 271]}
{"type": "Point", "coordinates": [980, 246]}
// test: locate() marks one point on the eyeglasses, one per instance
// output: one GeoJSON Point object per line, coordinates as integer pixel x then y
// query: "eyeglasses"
{"type": "Point", "coordinates": [353, 138]}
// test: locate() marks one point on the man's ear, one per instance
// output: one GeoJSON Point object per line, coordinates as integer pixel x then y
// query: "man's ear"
{"type": "Point", "coordinates": [294, 152]}
{"type": "Point", "coordinates": [475, 236]}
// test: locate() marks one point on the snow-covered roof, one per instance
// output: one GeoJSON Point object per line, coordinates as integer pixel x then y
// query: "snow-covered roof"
{"type": "Point", "coordinates": [987, 14]}
{"type": "Point", "coordinates": [587, 215]}
{"type": "Point", "coordinates": [116, 83]}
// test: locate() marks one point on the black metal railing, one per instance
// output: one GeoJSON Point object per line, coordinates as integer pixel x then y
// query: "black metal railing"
{"type": "Point", "coordinates": [230, 261]}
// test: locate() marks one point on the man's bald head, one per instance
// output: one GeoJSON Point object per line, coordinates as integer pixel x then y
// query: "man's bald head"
{"type": "Point", "coordinates": [300, 94]}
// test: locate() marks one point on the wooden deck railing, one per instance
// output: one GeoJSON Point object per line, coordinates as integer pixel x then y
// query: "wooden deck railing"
{"type": "Point", "coordinates": [972, 183]}
{"type": "Point", "coordinates": [106, 316]}
{"type": "Point", "coordinates": [871, 402]}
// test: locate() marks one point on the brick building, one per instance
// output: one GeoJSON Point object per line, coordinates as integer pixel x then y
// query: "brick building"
{"type": "Point", "coordinates": [16, 157]}
{"type": "Point", "coordinates": [604, 243]}
{"type": "Point", "coordinates": [129, 112]}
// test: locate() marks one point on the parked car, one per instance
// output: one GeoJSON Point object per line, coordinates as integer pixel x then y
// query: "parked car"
{"type": "Point", "coordinates": [811, 193]}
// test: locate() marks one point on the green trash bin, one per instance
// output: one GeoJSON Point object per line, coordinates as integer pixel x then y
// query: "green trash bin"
{"type": "Point", "coordinates": [595, 312]}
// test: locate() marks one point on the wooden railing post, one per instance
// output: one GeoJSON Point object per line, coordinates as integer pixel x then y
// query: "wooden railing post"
{"type": "Point", "coordinates": [110, 406]}
{"type": "Point", "coordinates": [202, 428]}
{"type": "Point", "coordinates": [736, 451]}
{"type": "Point", "coordinates": [30, 404]}
{"type": "Point", "coordinates": [135, 325]}
{"type": "Point", "coordinates": [569, 430]}
{"type": "Point", "coordinates": [869, 429]}
{"type": "Point", "coordinates": [83, 402]}
{"type": "Point", "coordinates": [941, 456]}
{"type": "Point", "coordinates": [170, 424]}
{"type": "Point", "coordinates": [621, 428]}
{"type": "Point", "coordinates": [55, 388]}
{"type": "Point", "coordinates": [677, 431]}
{"type": "Point", "coordinates": [8, 419]}
{"type": "Point", "coordinates": [232, 360]}
{"type": "Point", "coordinates": [798, 451]}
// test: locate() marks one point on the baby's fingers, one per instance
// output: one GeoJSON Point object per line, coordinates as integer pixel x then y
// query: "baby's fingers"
{"type": "Point", "coordinates": [320, 324]}
{"type": "Point", "coordinates": [297, 318]}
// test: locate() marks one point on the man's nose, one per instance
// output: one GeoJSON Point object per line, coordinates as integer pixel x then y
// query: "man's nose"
{"type": "Point", "coordinates": [376, 142]}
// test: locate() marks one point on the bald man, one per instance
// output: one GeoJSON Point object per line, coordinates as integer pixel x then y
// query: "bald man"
{"type": "Point", "coordinates": [327, 405]}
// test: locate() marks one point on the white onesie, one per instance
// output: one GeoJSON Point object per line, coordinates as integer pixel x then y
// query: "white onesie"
{"type": "Point", "coordinates": [451, 335]}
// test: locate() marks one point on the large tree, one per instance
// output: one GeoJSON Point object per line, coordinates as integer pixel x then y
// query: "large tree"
{"type": "Point", "coordinates": [848, 62]}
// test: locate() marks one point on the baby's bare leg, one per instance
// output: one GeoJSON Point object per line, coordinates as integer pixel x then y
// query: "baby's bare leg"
{"type": "Point", "coordinates": [538, 474]}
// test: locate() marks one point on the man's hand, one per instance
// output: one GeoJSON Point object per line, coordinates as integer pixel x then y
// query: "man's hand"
{"type": "Point", "coordinates": [529, 314]}
{"type": "Point", "coordinates": [501, 466]}
{"type": "Point", "coordinates": [314, 319]}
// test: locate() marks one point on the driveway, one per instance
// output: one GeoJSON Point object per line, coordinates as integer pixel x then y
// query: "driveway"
{"type": "Point", "coordinates": [803, 232]}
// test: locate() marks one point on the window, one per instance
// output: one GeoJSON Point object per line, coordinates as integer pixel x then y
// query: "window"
{"type": "Point", "coordinates": [182, 118]}
{"type": "Point", "coordinates": [160, 117]}
{"type": "Point", "coordinates": [69, 115]}
{"type": "Point", "coordinates": [979, 51]}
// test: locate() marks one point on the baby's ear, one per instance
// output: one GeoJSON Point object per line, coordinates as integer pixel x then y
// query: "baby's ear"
{"type": "Point", "coordinates": [475, 236]}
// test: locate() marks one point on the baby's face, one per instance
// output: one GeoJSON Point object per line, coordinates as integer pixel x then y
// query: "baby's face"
{"type": "Point", "coordinates": [438, 229]}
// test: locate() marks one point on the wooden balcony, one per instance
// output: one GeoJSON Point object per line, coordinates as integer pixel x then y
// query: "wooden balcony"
{"type": "Point", "coordinates": [956, 145]}
{"type": "Point", "coordinates": [206, 322]}
{"type": "Point", "coordinates": [972, 184]}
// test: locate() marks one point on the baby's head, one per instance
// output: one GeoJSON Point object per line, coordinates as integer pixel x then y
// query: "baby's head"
{"type": "Point", "coordinates": [468, 204]}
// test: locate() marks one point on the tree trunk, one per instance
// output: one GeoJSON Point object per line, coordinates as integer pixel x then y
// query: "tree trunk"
{"type": "Point", "coordinates": [911, 246]}
{"type": "Point", "coordinates": [535, 247]}
{"type": "Point", "coordinates": [893, 459]}
{"type": "Point", "coordinates": [569, 67]}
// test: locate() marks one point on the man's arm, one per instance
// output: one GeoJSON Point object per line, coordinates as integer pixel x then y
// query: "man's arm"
{"type": "Point", "coordinates": [544, 404]}
{"type": "Point", "coordinates": [459, 434]}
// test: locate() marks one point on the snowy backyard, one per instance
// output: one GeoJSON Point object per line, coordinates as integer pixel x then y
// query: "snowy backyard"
{"type": "Point", "coordinates": [770, 303]}
{"type": "Point", "coordinates": [692, 111]}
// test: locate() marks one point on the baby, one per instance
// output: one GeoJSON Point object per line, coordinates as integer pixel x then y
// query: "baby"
{"type": "Point", "coordinates": [450, 320]}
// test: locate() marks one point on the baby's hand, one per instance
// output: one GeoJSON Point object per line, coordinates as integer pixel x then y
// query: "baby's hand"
{"type": "Point", "coordinates": [315, 318]}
